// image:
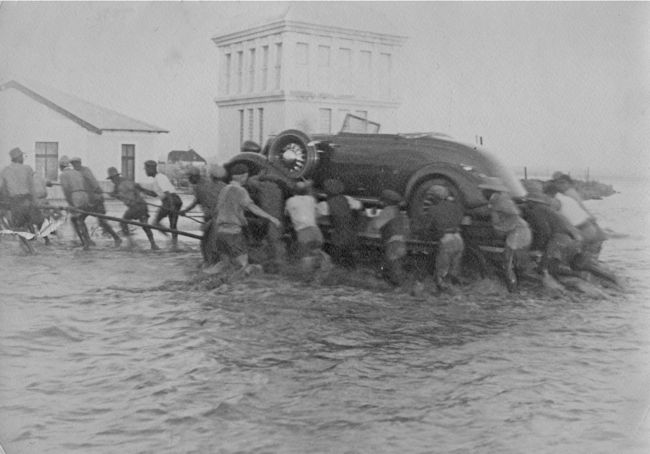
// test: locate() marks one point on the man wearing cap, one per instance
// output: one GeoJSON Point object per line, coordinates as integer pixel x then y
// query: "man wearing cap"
{"type": "Point", "coordinates": [74, 190]}
{"type": "Point", "coordinates": [17, 183]}
{"type": "Point", "coordinates": [158, 185]}
{"type": "Point", "coordinates": [206, 190]}
{"type": "Point", "coordinates": [341, 210]}
{"type": "Point", "coordinates": [127, 191]}
{"type": "Point", "coordinates": [95, 198]}
{"type": "Point", "coordinates": [444, 217]}
{"type": "Point", "coordinates": [233, 201]}
{"type": "Point", "coordinates": [394, 228]}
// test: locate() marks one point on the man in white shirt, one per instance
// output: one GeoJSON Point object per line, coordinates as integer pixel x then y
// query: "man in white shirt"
{"type": "Point", "coordinates": [158, 185]}
{"type": "Point", "coordinates": [301, 208]}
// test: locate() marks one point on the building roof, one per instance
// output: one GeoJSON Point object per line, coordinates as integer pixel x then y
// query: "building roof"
{"type": "Point", "coordinates": [354, 17]}
{"type": "Point", "coordinates": [90, 116]}
{"type": "Point", "coordinates": [184, 155]}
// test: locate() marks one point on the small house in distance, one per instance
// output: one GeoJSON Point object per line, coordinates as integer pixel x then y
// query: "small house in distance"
{"type": "Point", "coordinates": [47, 124]}
{"type": "Point", "coordinates": [189, 157]}
{"type": "Point", "coordinates": [178, 161]}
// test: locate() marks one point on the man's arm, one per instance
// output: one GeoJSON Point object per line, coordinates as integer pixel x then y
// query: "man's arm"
{"type": "Point", "coordinates": [263, 214]}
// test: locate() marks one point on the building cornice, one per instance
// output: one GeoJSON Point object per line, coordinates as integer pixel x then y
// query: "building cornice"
{"type": "Point", "coordinates": [282, 26]}
{"type": "Point", "coordinates": [301, 96]}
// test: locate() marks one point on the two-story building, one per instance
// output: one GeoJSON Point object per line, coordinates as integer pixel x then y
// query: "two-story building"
{"type": "Point", "coordinates": [305, 68]}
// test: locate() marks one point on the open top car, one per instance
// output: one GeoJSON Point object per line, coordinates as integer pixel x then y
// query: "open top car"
{"type": "Point", "coordinates": [367, 162]}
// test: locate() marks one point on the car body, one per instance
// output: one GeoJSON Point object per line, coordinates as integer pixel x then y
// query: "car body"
{"type": "Point", "coordinates": [369, 162]}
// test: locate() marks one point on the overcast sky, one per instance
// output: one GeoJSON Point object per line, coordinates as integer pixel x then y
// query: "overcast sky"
{"type": "Point", "coordinates": [548, 85]}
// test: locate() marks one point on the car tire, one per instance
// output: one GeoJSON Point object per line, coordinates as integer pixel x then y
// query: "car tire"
{"type": "Point", "coordinates": [418, 202]}
{"type": "Point", "coordinates": [290, 154]}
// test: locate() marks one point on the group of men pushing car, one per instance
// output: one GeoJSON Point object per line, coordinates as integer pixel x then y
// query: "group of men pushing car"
{"type": "Point", "coordinates": [553, 219]}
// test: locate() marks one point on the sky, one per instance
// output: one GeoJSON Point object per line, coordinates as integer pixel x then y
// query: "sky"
{"type": "Point", "coordinates": [548, 85]}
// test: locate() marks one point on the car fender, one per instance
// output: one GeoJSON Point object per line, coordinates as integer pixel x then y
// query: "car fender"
{"type": "Point", "coordinates": [466, 182]}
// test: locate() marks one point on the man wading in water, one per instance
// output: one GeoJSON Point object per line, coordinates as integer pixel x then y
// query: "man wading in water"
{"type": "Point", "coordinates": [170, 206]}
{"type": "Point", "coordinates": [233, 201]}
{"type": "Point", "coordinates": [126, 191]}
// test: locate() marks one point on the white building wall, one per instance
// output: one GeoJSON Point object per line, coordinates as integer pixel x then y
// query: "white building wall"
{"type": "Point", "coordinates": [26, 121]}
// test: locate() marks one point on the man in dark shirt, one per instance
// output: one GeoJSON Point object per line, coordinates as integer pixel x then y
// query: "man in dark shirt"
{"type": "Point", "coordinates": [206, 190]}
{"type": "Point", "coordinates": [17, 185]}
{"type": "Point", "coordinates": [127, 191]}
{"type": "Point", "coordinates": [269, 196]}
{"type": "Point", "coordinates": [553, 235]}
{"type": "Point", "coordinates": [394, 228]}
{"type": "Point", "coordinates": [444, 217]}
{"type": "Point", "coordinates": [95, 198]}
{"type": "Point", "coordinates": [341, 211]}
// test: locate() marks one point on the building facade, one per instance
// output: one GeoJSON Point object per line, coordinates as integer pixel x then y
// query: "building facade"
{"type": "Point", "coordinates": [47, 124]}
{"type": "Point", "coordinates": [294, 72]}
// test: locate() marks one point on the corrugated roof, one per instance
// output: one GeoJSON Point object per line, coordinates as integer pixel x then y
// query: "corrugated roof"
{"type": "Point", "coordinates": [90, 116]}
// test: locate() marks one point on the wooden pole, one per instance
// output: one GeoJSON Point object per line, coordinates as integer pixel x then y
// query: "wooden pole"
{"type": "Point", "coordinates": [130, 222]}
{"type": "Point", "coordinates": [525, 173]}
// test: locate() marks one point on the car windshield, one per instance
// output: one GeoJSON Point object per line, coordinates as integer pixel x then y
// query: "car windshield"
{"type": "Point", "coordinates": [359, 125]}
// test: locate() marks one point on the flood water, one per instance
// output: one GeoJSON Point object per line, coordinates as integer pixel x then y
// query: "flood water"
{"type": "Point", "coordinates": [113, 351]}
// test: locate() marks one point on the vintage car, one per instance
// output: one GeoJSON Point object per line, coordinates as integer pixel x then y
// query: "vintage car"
{"type": "Point", "coordinates": [367, 162]}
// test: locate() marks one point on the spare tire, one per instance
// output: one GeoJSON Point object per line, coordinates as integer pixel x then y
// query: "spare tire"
{"type": "Point", "coordinates": [290, 153]}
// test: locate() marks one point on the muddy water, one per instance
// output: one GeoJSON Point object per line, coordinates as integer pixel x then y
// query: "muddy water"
{"type": "Point", "coordinates": [113, 351]}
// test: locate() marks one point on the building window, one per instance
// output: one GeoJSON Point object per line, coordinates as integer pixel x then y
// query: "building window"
{"type": "Point", "coordinates": [241, 126]}
{"type": "Point", "coordinates": [265, 67]}
{"type": "Point", "coordinates": [251, 122]}
{"type": "Point", "coordinates": [323, 73]}
{"type": "Point", "coordinates": [278, 65]}
{"type": "Point", "coordinates": [227, 73]}
{"type": "Point", "coordinates": [325, 122]}
{"type": "Point", "coordinates": [260, 115]}
{"type": "Point", "coordinates": [251, 71]}
{"type": "Point", "coordinates": [240, 70]}
{"type": "Point", "coordinates": [385, 74]}
{"type": "Point", "coordinates": [345, 63]}
{"type": "Point", "coordinates": [365, 72]}
{"type": "Point", "coordinates": [128, 161]}
{"type": "Point", "coordinates": [47, 160]}
{"type": "Point", "coordinates": [302, 53]}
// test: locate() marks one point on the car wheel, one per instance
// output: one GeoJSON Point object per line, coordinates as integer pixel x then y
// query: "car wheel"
{"type": "Point", "coordinates": [290, 153]}
{"type": "Point", "coordinates": [418, 202]}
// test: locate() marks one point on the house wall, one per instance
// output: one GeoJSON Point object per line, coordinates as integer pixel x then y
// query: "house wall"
{"type": "Point", "coordinates": [26, 121]}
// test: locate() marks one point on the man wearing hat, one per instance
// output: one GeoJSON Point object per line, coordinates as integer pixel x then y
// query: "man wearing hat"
{"type": "Point", "coordinates": [95, 198]}
{"type": "Point", "coordinates": [127, 191]}
{"type": "Point", "coordinates": [233, 201]}
{"type": "Point", "coordinates": [394, 228]}
{"type": "Point", "coordinates": [158, 185]}
{"type": "Point", "coordinates": [342, 211]}
{"type": "Point", "coordinates": [444, 217]}
{"type": "Point", "coordinates": [74, 190]}
{"type": "Point", "coordinates": [17, 184]}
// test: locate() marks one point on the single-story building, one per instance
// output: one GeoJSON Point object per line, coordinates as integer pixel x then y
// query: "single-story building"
{"type": "Point", "coordinates": [47, 124]}
{"type": "Point", "coordinates": [189, 157]}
